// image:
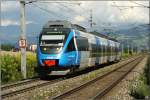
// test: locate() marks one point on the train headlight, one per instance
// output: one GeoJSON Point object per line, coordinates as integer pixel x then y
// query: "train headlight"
{"type": "Point", "coordinates": [60, 49]}
{"type": "Point", "coordinates": [45, 49]}
{"type": "Point", "coordinates": [57, 48]}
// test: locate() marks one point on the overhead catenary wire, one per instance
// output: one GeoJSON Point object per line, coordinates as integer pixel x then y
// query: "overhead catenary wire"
{"type": "Point", "coordinates": [47, 11]}
{"type": "Point", "coordinates": [142, 5]}
{"type": "Point", "coordinates": [62, 4]}
{"type": "Point", "coordinates": [59, 3]}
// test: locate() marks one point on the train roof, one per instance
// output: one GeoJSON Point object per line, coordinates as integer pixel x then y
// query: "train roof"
{"type": "Point", "coordinates": [63, 24]}
{"type": "Point", "coordinates": [102, 35]}
{"type": "Point", "coordinates": [58, 24]}
{"type": "Point", "coordinates": [67, 24]}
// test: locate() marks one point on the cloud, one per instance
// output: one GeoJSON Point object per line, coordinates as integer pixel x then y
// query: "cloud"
{"type": "Point", "coordinates": [78, 19]}
{"type": "Point", "coordinates": [129, 14]}
{"type": "Point", "coordinates": [9, 6]}
{"type": "Point", "coordinates": [104, 14]}
{"type": "Point", "coordinates": [8, 22]}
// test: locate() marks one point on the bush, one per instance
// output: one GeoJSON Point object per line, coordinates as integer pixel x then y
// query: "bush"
{"type": "Point", "coordinates": [11, 67]}
{"type": "Point", "coordinates": [31, 63]}
{"type": "Point", "coordinates": [147, 71]}
{"type": "Point", "coordinates": [139, 89]}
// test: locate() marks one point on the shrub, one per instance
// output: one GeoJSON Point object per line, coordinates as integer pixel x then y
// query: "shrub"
{"type": "Point", "coordinates": [147, 71]}
{"type": "Point", "coordinates": [139, 90]}
{"type": "Point", "coordinates": [31, 63]}
{"type": "Point", "coordinates": [11, 67]}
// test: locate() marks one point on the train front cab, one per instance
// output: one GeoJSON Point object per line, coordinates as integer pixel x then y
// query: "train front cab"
{"type": "Point", "coordinates": [58, 63]}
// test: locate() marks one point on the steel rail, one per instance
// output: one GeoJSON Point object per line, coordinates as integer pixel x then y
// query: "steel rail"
{"type": "Point", "coordinates": [78, 88]}
{"type": "Point", "coordinates": [105, 90]}
{"type": "Point", "coordinates": [12, 93]}
{"type": "Point", "coordinates": [24, 82]}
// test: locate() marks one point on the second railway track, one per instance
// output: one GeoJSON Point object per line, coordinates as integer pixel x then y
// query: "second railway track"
{"type": "Point", "coordinates": [98, 87]}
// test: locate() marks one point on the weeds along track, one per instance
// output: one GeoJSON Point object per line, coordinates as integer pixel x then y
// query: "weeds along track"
{"type": "Point", "coordinates": [101, 85]}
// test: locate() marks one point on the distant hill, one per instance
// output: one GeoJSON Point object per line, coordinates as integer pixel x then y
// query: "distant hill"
{"type": "Point", "coordinates": [139, 31]}
{"type": "Point", "coordinates": [134, 36]}
{"type": "Point", "coordinates": [11, 34]}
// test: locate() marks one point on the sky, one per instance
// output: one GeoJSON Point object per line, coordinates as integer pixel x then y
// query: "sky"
{"type": "Point", "coordinates": [106, 15]}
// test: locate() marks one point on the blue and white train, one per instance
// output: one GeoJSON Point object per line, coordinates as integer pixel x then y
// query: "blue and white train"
{"type": "Point", "coordinates": [64, 48]}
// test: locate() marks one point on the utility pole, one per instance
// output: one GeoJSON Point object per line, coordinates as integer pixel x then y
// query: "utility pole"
{"type": "Point", "coordinates": [132, 48]}
{"type": "Point", "coordinates": [23, 38]}
{"type": "Point", "coordinates": [149, 44]}
{"type": "Point", "coordinates": [122, 49]}
{"type": "Point", "coordinates": [128, 49]}
{"type": "Point", "coordinates": [91, 19]}
{"type": "Point", "coordinates": [149, 29]}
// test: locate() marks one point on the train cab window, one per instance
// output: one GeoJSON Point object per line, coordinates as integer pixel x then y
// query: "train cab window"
{"type": "Point", "coordinates": [71, 46]}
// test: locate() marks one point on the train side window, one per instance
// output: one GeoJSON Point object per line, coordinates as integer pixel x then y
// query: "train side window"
{"type": "Point", "coordinates": [71, 46]}
{"type": "Point", "coordinates": [104, 50]}
{"type": "Point", "coordinates": [100, 50]}
{"type": "Point", "coordinates": [82, 44]}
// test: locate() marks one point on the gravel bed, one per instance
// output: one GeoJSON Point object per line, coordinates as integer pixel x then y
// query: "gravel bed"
{"type": "Point", "coordinates": [122, 91]}
{"type": "Point", "coordinates": [45, 92]}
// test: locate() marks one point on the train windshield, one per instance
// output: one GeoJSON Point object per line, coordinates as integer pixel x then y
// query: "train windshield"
{"type": "Point", "coordinates": [52, 40]}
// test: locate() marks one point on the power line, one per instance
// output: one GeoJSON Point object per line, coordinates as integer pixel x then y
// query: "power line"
{"type": "Point", "coordinates": [131, 6]}
{"type": "Point", "coordinates": [72, 3]}
{"type": "Point", "coordinates": [138, 4]}
{"type": "Point", "coordinates": [48, 11]}
{"type": "Point", "coordinates": [57, 2]}
{"type": "Point", "coordinates": [120, 11]}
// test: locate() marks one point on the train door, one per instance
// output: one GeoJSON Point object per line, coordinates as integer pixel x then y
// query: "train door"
{"type": "Point", "coordinates": [116, 53]}
{"type": "Point", "coordinates": [97, 61]}
{"type": "Point", "coordinates": [108, 51]}
{"type": "Point", "coordinates": [90, 62]}
{"type": "Point", "coordinates": [102, 52]}
{"type": "Point", "coordinates": [83, 49]}
{"type": "Point", "coordinates": [111, 51]}
{"type": "Point", "coordinates": [105, 51]}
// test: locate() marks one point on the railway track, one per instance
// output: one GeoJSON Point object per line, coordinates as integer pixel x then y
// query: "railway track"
{"type": "Point", "coordinates": [101, 85]}
{"type": "Point", "coordinates": [20, 83]}
{"type": "Point", "coordinates": [21, 87]}
{"type": "Point", "coordinates": [25, 87]}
